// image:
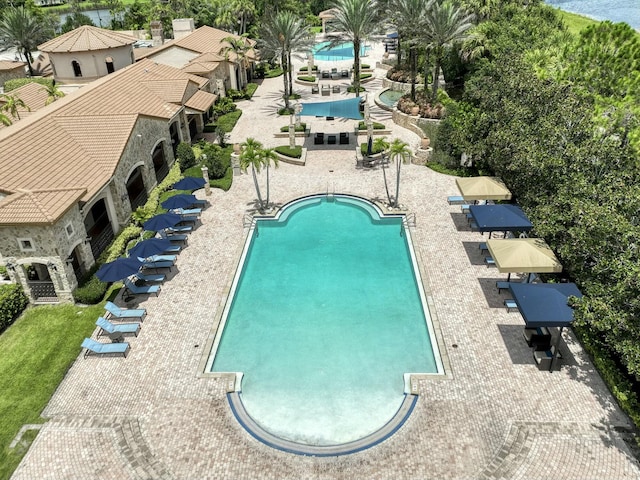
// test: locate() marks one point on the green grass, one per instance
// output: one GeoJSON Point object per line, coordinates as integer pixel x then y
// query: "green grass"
{"type": "Point", "coordinates": [575, 23]}
{"type": "Point", "coordinates": [228, 121]}
{"type": "Point", "coordinates": [275, 72]}
{"type": "Point", "coordinates": [301, 128]}
{"type": "Point", "coordinates": [376, 126]}
{"type": "Point", "coordinates": [37, 350]}
{"type": "Point", "coordinates": [287, 151]}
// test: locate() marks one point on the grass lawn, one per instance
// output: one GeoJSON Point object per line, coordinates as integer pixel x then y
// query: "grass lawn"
{"type": "Point", "coordinates": [37, 350]}
{"type": "Point", "coordinates": [576, 22]}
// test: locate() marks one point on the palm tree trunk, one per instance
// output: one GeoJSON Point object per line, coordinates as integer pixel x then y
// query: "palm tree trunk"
{"type": "Point", "coordinates": [27, 56]}
{"type": "Point", "coordinates": [386, 185]}
{"type": "Point", "coordinates": [267, 185]}
{"type": "Point", "coordinates": [255, 182]}
{"type": "Point", "coordinates": [283, 61]}
{"type": "Point", "coordinates": [290, 73]}
{"type": "Point", "coordinates": [398, 167]}
{"type": "Point", "coordinates": [356, 65]}
{"type": "Point", "coordinates": [436, 74]}
{"type": "Point", "coordinates": [414, 66]}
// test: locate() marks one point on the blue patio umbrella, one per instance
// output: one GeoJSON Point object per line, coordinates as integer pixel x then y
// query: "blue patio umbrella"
{"type": "Point", "coordinates": [118, 269]}
{"type": "Point", "coordinates": [162, 221]}
{"type": "Point", "coordinates": [189, 183]}
{"type": "Point", "coordinates": [179, 201]}
{"type": "Point", "coordinates": [150, 247]}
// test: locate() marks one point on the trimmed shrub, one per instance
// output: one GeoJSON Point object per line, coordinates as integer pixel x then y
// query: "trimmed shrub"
{"type": "Point", "coordinates": [376, 126]}
{"type": "Point", "coordinates": [306, 78]}
{"type": "Point", "coordinates": [185, 155]}
{"type": "Point", "coordinates": [301, 128]}
{"type": "Point", "coordinates": [13, 301]}
{"type": "Point", "coordinates": [364, 76]}
{"type": "Point", "coordinates": [287, 151]}
{"type": "Point", "coordinates": [374, 149]}
{"type": "Point", "coordinates": [92, 292]}
{"type": "Point", "coordinates": [225, 182]}
{"type": "Point", "coordinates": [19, 82]}
{"type": "Point", "coordinates": [306, 69]}
{"type": "Point", "coordinates": [352, 89]}
{"type": "Point", "coordinates": [249, 90]}
{"type": "Point", "coordinates": [225, 105]}
{"type": "Point", "coordinates": [218, 160]}
{"type": "Point", "coordinates": [229, 120]}
{"type": "Point", "coordinates": [3, 272]}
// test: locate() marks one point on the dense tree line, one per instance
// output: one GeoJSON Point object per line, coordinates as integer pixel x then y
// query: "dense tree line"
{"type": "Point", "coordinates": [557, 118]}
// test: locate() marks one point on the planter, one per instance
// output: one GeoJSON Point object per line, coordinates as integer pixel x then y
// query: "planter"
{"type": "Point", "coordinates": [415, 111]}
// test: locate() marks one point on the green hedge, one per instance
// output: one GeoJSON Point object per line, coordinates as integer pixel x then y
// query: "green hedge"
{"type": "Point", "coordinates": [306, 78]}
{"type": "Point", "coordinates": [301, 128]}
{"type": "Point", "coordinates": [225, 182]}
{"type": "Point", "coordinates": [306, 69]}
{"type": "Point", "coordinates": [19, 82]}
{"type": "Point", "coordinates": [364, 76]}
{"type": "Point", "coordinates": [376, 126]}
{"type": "Point", "coordinates": [287, 151]}
{"type": "Point", "coordinates": [228, 121]}
{"type": "Point", "coordinates": [13, 301]}
{"type": "Point", "coordinates": [374, 150]}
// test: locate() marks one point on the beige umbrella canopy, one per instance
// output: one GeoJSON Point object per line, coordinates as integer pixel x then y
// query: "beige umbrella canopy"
{"type": "Point", "coordinates": [531, 255]}
{"type": "Point", "coordinates": [483, 188]}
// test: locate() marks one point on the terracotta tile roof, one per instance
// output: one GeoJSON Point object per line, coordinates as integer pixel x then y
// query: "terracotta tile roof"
{"type": "Point", "coordinates": [86, 38]}
{"type": "Point", "coordinates": [200, 67]}
{"type": "Point", "coordinates": [38, 206]}
{"type": "Point", "coordinates": [201, 101]}
{"type": "Point", "coordinates": [77, 141]}
{"type": "Point", "coordinates": [10, 65]}
{"type": "Point", "coordinates": [34, 96]}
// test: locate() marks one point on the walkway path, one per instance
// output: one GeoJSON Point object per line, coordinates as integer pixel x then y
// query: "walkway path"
{"type": "Point", "coordinates": [494, 415]}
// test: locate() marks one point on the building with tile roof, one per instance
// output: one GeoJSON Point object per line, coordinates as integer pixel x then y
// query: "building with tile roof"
{"type": "Point", "coordinates": [72, 172]}
{"type": "Point", "coordinates": [87, 53]}
{"type": "Point", "coordinates": [33, 95]}
{"type": "Point", "coordinates": [10, 70]}
{"type": "Point", "coordinates": [205, 52]}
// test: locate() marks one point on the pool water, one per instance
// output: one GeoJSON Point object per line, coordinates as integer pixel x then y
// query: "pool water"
{"type": "Point", "coordinates": [390, 97]}
{"type": "Point", "coordinates": [326, 318]}
{"type": "Point", "coordinates": [339, 52]}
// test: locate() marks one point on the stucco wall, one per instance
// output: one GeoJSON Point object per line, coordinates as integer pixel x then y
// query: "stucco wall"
{"type": "Point", "coordinates": [93, 64]}
{"type": "Point", "coordinates": [7, 75]}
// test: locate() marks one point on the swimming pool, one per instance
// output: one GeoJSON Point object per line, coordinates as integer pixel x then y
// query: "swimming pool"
{"type": "Point", "coordinates": [339, 52]}
{"type": "Point", "coordinates": [390, 97]}
{"type": "Point", "coordinates": [325, 316]}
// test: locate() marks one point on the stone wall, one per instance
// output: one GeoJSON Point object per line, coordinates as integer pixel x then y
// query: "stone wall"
{"type": "Point", "coordinates": [6, 75]}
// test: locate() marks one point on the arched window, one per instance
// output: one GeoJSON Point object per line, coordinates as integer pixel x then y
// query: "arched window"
{"type": "Point", "coordinates": [109, 62]}
{"type": "Point", "coordinates": [77, 71]}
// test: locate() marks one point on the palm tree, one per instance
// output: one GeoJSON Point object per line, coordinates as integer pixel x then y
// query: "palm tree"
{"type": "Point", "coordinates": [281, 34]}
{"type": "Point", "coordinates": [254, 155]}
{"type": "Point", "coordinates": [11, 104]}
{"type": "Point", "coordinates": [408, 16]}
{"type": "Point", "coordinates": [22, 30]}
{"type": "Point", "coordinates": [240, 47]}
{"type": "Point", "coordinates": [53, 92]}
{"type": "Point", "coordinates": [5, 120]}
{"type": "Point", "coordinates": [400, 153]}
{"type": "Point", "coordinates": [354, 21]}
{"type": "Point", "coordinates": [445, 26]}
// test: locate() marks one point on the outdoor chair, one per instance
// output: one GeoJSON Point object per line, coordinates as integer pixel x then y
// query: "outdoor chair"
{"type": "Point", "coordinates": [455, 199]}
{"type": "Point", "coordinates": [151, 278]}
{"type": "Point", "coordinates": [116, 330]}
{"type": "Point", "coordinates": [326, 74]}
{"type": "Point", "coordinates": [97, 348]}
{"type": "Point", "coordinates": [315, 89]}
{"type": "Point", "coordinates": [335, 89]}
{"type": "Point", "coordinates": [511, 305]}
{"type": "Point", "coordinates": [161, 258]}
{"type": "Point", "coordinates": [537, 337]}
{"type": "Point", "coordinates": [369, 162]}
{"type": "Point", "coordinates": [318, 138]}
{"type": "Point", "coordinates": [334, 74]}
{"type": "Point", "coordinates": [157, 265]}
{"type": "Point", "coordinates": [331, 139]}
{"type": "Point", "coordinates": [175, 237]}
{"type": "Point", "coordinates": [344, 73]}
{"type": "Point", "coordinates": [543, 358]}
{"type": "Point", "coordinates": [115, 312]}
{"type": "Point", "coordinates": [489, 262]}
{"type": "Point", "coordinates": [344, 138]}
{"type": "Point", "coordinates": [173, 249]}
{"type": "Point", "coordinates": [326, 90]}
{"type": "Point", "coordinates": [141, 289]}
{"type": "Point", "coordinates": [502, 286]}
{"type": "Point", "coordinates": [179, 229]}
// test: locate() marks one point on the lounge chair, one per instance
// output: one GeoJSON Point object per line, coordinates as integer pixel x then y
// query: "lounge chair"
{"type": "Point", "coordinates": [174, 237]}
{"type": "Point", "coordinates": [543, 358]}
{"type": "Point", "coordinates": [97, 348]}
{"type": "Point", "coordinates": [344, 73]}
{"type": "Point", "coordinates": [141, 289]}
{"type": "Point", "coordinates": [315, 89]}
{"type": "Point", "coordinates": [157, 265]}
{"type": "Point", "coordinates": [325, 89]}
{"type": "Point", "coordinates": [483, 247]}
{"type": "Point", "coordinates": [161, 258]}
{"type": "Point", "coordinates": [179, 229]}
{"type": "Point", "coordinates": [151, 278]}
{"type": "Point", "coordinates": [187, 211]}
{"type": "Point", "coordinates": [188, 219]}
{"type": "Point", "coordinates": [344, 138]}
{"type": "Point", "coordinates": [331, 139]}
{"type": "Point", "coordinates": [115, 312]}
{"type": "Point", "coordinates": [111, 329]}
{"type": "Point", "coordinates": [173, 249]}
{"type": "Point", "coordinates": [318, 138]}
{"type": "Point", "coordinates": [489, 261]}
{"type": "Point", "coordinates": [335, 89]}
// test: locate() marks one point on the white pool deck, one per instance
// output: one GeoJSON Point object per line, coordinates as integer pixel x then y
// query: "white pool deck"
{"type": "Point", "coordinates": [495, 415]}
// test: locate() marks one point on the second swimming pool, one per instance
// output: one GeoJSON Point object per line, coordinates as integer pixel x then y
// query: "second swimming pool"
{"type": "Point", "coordinates": [325, 316]}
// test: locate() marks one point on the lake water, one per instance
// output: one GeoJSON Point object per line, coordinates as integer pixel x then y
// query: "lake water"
{"type": "Point", "coordinates": [100, 18]}
{"type": "Point", "coordinates": [614, 10]}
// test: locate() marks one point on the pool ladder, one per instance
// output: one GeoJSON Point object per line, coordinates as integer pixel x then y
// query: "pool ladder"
{"type": "Point", "coordinates": [248, 220]}
{"type": "Point", "coordinates": [408, 221]}
{"type": "Point", "coordinates": [331, 194]}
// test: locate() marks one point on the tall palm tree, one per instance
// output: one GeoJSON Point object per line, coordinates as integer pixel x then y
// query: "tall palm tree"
{"type": "Point", "coordinates": [22, 30]}
{"type": "Point", "coordinates": [445, 26]}
{"type": "Point", "coordinates": [281, 35]}
{"type": "Point", "coordinates": [408, 16]}
{"type": "Point", "coordinates": [53, 92]}
{"type": "Point", "coordinates": [400, 153]}
{"type": "Point", "coordinates": [11, 104]}
{"type": "Point", "coordinates": [354, 21]}
{"type": "Point", "coordinates": [239, 47]}
{"type": "Point", "coordinates": [254, 155]}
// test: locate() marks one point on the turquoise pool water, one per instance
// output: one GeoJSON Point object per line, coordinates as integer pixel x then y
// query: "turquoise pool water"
{"type": "Point", "coordinates": [324, 319]}
{"type": "Point", "coordinates": [390, 97]}
{"type": "Point", "coordinates": [340, 52]}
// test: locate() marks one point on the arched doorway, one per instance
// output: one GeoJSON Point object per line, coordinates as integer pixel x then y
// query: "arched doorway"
{"type": "Point", "coordinates": [193, 127]}
{"type": "Point", "coordinates": [98, 228]}
{"type": "Point", "coordinates": [77, 71]}
{"type": "Point", "coordinates": [109, 62]}
{"type": "Point", "coordinates": [135, 189]}
{"type": "Point", "coordinates": [76, 264]}
{"type": "Point", "coordinates": [174, 132]}
{"type": "Point", "coordinates": [159, 162]}
{"type": "Point", "coordinates": [39, 282]}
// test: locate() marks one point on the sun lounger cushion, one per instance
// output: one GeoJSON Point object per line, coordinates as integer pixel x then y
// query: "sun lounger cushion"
{"type": "Point", "coordinates": [455, 199]}
{"type": "Point", "coordinates": [141, 290]}
{"type": "Point", "coordinates": [110, 328]}
{"type": "Point", "coordinates": [510, 303]}
{"type": "Point", "coordinates": [156, 277]}
{"type": "Point", "coordinates": [115, 312]}
{"type": "Point", "coordinates": [97, 348]}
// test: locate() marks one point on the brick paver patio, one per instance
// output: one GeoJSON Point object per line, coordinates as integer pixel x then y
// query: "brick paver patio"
{"type": "Point", "coordinates": [494, 416]}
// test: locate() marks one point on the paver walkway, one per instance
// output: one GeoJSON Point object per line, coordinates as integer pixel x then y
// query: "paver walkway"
{"type": "Point", "coordinates": [494, 416]}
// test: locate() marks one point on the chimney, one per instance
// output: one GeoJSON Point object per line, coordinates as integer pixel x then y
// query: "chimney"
{"type": "Point", "coordinates": [182, 27]}
{"type": "Point", "coordinates": [157, 35]}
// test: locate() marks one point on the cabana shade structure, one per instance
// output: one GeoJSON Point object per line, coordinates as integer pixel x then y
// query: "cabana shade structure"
{"type": "Point", "coordinates": [349, 108]}
{"type": "Point", "coordinates": [531, 255]}
{"type": "Point", "coordinates": [545, 305]}
{"type": "Point", "coordinates": [501, 217]}
{"type": "Point", "coordinates": [482, 188]}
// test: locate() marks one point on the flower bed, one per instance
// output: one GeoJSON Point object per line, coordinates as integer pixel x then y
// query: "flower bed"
{"type": "Point", "coordinates": [421, 107]}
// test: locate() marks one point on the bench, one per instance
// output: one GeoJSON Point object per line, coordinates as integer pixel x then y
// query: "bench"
{"type": "Point", "coordinates": [455, 199]}
{"type": "Point", "coordinates": [483, 246]}
{"type": "Point", "coordinates": [502, 286]}
{"type": "Point", "coordinates": [510, 303]}
{"type": "Point", "coordinates": [464, 208]}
